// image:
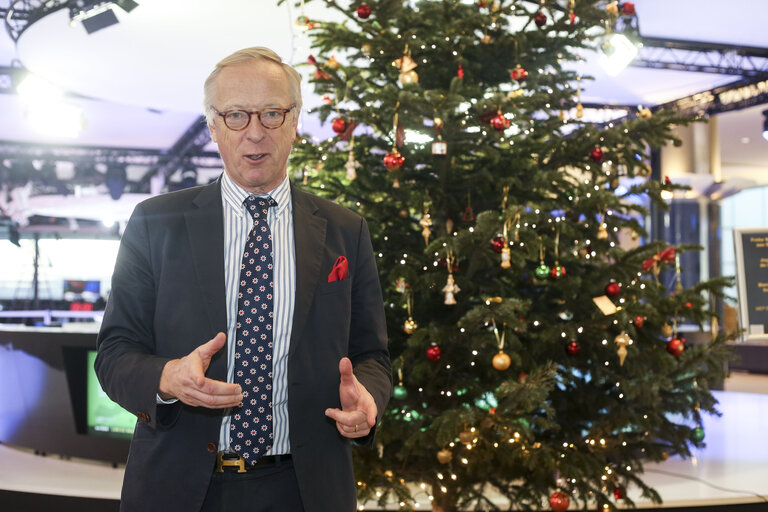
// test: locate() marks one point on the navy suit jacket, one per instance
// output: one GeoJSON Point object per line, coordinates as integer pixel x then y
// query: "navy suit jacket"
{"type": "Point", "coordinates": [168, 298]}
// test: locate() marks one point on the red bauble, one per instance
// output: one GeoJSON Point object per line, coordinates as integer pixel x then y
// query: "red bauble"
{"type": "Point", "coordinates": [618, 493]}
{"type": "Point", "coordinates": [460, 72]}
{"type": "Point", "coordinates": [433, 353]}
{"type": "Point", "coordinates": [675, 346]}
{"type": "Point", "coordinates": [540, 19]}
{"type": "Point", "coordinates": [499, 122]}
{"type": "Point", "coordinates": [519, 73]}
{"type": "Point", "coordinates": [572, 348]}
{"type": "Point", "coordinates": [393, 161]}
{"type": "Point", "coordinates": [339, 125]}
{"type": "Point", "coordinates": [639, 322]}
{"type": "Point", "coordinates": [498, 243]}
{"type": "Point", "coordinates": [556, 272]}
{"type": "Point", "coordinates": [612, 289]}
{"type": "Point", "coordinates": [559, 501]}
{"type": "Point", "coordinates": [363, 11]}
{"type": "Point", "coordinates": [597, 154]}
{"type": "Point", "coordinates": [628, 9]}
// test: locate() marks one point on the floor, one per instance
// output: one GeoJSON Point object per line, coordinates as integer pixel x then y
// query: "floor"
{"type": "Point", "coordinates": [732, 469]}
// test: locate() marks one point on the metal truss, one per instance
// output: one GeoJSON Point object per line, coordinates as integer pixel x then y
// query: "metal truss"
{"type": "Point", "coordinates": [697, 56]}
{"type": "Point", "coordinates": [23, 13]}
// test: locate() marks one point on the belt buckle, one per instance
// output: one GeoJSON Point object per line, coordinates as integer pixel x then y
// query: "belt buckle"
{"type": "Point", "coordinates": [221, 463]}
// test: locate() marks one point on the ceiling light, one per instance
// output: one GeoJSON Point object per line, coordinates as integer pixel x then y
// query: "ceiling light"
{"type": "Point", "coordinates": [98, 14]}
{"type": "Point", "coordinates": [616, 53]}
{"type": "Point", "coordinates": [765, 124]}
{"type": "Point", "coordinates": [45, 110]}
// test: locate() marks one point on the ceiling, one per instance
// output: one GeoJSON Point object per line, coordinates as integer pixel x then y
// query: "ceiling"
{"type": "Point", "coordinates": [139, 83]}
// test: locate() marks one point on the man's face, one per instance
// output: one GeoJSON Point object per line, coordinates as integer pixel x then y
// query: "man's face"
{"type": "Point", "coordinates": [255, 158]}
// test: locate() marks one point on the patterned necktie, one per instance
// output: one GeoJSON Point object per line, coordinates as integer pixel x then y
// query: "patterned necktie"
{"type": "Point", "coordinates": [251, 428]}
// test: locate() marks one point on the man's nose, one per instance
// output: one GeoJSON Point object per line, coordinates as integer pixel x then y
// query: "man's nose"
{"type": "Point", "coordinates": [255, 131]}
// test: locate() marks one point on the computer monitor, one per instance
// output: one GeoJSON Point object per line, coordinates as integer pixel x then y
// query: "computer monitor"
{"type": "Point", "coordinates": [103, 416]}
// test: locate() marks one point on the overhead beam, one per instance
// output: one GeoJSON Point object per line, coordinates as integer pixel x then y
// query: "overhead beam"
{"type": "Point", "coordinates": [703, 57]}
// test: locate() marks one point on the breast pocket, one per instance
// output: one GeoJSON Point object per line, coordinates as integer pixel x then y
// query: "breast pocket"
{"type": "Point", "coordinates": [343, 286]}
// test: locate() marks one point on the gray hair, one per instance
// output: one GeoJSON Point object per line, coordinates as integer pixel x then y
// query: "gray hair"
{"type": "Point", "coordinates": [242, 56]}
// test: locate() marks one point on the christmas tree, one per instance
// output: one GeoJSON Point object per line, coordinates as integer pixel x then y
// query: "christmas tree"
{"type": "Point", "coordinates": [533, 330]}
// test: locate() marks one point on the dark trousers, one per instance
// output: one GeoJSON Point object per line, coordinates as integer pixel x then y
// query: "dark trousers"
{"type": "Point", "coordinates": [268, 489]}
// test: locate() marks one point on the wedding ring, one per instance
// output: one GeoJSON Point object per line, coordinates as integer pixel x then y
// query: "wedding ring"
{"type": "Point", "coordinates": [355, 427]}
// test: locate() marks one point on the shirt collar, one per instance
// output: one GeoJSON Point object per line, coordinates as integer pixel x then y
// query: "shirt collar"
{"type": "Point", "coordinates": [234, 196]}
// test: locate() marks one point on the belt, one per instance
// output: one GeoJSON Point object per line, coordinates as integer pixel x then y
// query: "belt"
{"type": "Point", "coordinates": [232, 462]}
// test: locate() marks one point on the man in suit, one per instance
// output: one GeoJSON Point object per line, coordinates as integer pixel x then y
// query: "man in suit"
{"type": "Point", "coordinates": [174, 343]}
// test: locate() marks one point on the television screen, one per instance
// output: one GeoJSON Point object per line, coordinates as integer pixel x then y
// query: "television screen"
{"type": "Point", "coordinates": [85, 291]}
{"type": "Point", "coordinates": [105, 417]}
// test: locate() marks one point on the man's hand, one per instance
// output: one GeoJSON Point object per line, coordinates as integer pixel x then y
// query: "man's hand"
{"type": "Point", "coordinates": [357, 415]}
{"type": "Point", "coordinates": [185, 379]}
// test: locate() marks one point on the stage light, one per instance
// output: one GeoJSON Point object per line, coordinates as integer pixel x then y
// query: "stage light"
{"type": "Point", "coordinates": [617, 51]}
{"type": "Point", "coordinates": [96, 15]}
{"type": "Point", "coordinates": [45, 110]}
{"type": "Point", "coordinates": [765, 124]}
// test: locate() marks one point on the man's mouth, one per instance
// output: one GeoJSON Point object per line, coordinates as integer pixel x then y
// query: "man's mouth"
{"type": "Point", "coordinates": [256, 157]}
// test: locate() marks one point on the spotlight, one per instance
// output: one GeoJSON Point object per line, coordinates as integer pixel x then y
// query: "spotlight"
{"type": "Point", "coordinates": [765, 124]}
{"type": "Point", "coordinates": [98, 14]}
{"type": "Point", "coordinates": [617, 51]}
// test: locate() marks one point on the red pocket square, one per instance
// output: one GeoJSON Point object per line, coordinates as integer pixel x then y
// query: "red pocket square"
{"type": "Point", "coordinates": [339, 270]}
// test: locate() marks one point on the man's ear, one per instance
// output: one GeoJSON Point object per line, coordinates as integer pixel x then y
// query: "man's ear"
{"type": "Point", "coordinates": [212, 131]}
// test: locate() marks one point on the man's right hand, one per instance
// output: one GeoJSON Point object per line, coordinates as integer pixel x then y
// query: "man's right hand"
{"type": "Point", "coordinates": [185, 379]}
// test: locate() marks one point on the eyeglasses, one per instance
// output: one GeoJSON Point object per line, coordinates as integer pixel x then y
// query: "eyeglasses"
{"type": "Point", "coordinates": [270, 118]}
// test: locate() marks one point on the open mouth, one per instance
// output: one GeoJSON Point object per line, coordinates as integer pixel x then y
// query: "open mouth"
{"type": "Point", "coordinates": [256, 157]}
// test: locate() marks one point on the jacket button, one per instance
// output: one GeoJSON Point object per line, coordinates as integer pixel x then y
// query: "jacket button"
{"type": "Point", "coordinates": [211, 447]}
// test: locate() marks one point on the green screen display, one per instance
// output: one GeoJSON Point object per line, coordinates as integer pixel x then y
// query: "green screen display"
{"type": "Point", "coordinates": [105, 417]}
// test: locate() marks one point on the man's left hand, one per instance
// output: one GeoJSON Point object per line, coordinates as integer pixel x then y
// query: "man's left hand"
{"type": "Point", "coordinates": [358, 412]}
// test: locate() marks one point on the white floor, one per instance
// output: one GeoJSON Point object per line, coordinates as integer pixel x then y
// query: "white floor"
{"type": "Point", "coordinates": [733, 468]}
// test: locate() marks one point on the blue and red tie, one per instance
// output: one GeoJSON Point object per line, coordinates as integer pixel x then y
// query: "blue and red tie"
{"type": "Point", "coordinates": [251, 427]}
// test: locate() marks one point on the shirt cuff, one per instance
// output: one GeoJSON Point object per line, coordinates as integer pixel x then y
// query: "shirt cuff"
{"type": "Point", "coordinates": [160, 401]}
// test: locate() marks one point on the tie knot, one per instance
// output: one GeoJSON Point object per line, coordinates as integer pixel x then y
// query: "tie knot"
{"type": "Point", "coordinates": [258, 206]}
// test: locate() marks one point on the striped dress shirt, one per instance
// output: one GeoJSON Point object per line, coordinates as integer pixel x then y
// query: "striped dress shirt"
{"type": "Point", "coordinates": [237, 224]}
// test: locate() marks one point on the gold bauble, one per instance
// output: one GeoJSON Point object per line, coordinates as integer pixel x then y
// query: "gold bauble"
{"type": "Point", "coordinates": [667, 331]}
{"type": "Point", "coordinates": [410, 326]}
{"type": "Point", "coordinates": [501, 361]}
{"type": "Point", "coordinates": [366, 48]}
{"type": "Point", "coordinates": [466, 437]}
{"type": "Point", "coordinates": [444, 456]}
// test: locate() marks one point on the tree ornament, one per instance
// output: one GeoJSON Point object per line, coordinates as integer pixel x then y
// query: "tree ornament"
{"type": "Point", "coordinates": [426, 224]}
{"type": "Point", "coordinates": [579, 106]}
{"type": "Point", "coordinates": [667, 331]}
{"type": "Point", "coordinates": [644, 113]}
{"type": "Point", "coordinates": [399, 391]}
{"type": "Point", "coordinates": [460, 72]}
{"type": "Point", "coordinates": [559, 501]}
{"type": "Point", "coordinates": [351, 166]}
{"type": "Point", "coordinates": [602, 231]}
{"type": "Point", "coordinates": [450, 287]}
{"type": "Point", "coordinates": [406, 65]}
{"type": "Point", "coordinates": [433, 352]}
{"type": "Point", "coordinates": [519, 73]}
{"type": "Point", "coordinates": [618, 493]}
{"type": "Point", "coordinates": [497, 243]}
{"type": "Point", "coordinates": [676, 346]}
{"type": "Point", "coordinates": [612, 8]}
{"type": "Point", "coordinates": [628, 9]}
{"type": "Point", "coordinates": [499, 122]}
{"type": "Point", "coordinates": [572, 348]}
{"type": "Point", "coordinates": [622, 340]}
{"type": "Point", "coordinates": [597, 154]}
{"type": "Point", "coordinates": [639, 322]}
{"type": "Point", "coordinates": [393, 160]}
{"type": "Point", "coordinates": [409, 77]}
{"type": "Point", "coordinates": [542, 271]}
{"type": "Point", "coordinates": [501, 361]}
{"type": "Point", "coordinates": [302, 22]}
{"type": "Point", "coordinates": [540, 19]}
{"type": "Point", "coordinates": [444, 456]}
{"type": "Point", "coordinates": [571, 13]}
{"type": "Point", "coordinates": [332, 63]}
{"type": "Point", "coordinates": [410, 326]}
{"type": "Point", "coordinates": [612, 289]}
{"type": "Point", "coordinates": [697, 435]}
{"type": "Point", "coordinates": [557, 272]}
{"type": "Point", "coordinates": [466, 436]}
{"type": "Point", "coordinates": [339, 125]}
{"type": "Point", "coordinates": [439, 147]}
{"type": "Point", "coordinates": [363, 11]}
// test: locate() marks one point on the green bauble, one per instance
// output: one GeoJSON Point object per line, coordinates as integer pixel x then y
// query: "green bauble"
{"type": "Point", "coordinates": [400, 393]}
{"type": "Point", "coordinates": [542, 271]}
{"type": "Point", "coordinates": [697, 435]}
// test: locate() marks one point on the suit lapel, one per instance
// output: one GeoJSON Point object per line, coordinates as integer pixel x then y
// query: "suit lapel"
{"type": "Point", "coordinates": [309, 236]}
{"type": "Point", "coordinates": [206, 235]}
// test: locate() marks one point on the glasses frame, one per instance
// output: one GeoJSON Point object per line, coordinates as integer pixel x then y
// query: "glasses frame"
{"type": "Point", "coordinates": [250, 115]}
